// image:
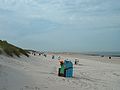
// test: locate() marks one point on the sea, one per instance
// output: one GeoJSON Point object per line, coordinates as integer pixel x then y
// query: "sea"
{"type": "Point", "coordinates": [112, 54]}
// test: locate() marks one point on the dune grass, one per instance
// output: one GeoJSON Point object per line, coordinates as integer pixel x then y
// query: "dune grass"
{"type": "Point", "coordinates": [11, 50]}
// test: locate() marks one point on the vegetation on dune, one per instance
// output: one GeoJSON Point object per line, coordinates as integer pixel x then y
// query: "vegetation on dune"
{"type": "Point", "coordinates": [11, 50]}
{"type": "Point", "coordinates": [0, 52]}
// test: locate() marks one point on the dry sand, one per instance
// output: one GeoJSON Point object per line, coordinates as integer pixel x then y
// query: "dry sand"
{"type": "Point", "coordinates": [40, 73]}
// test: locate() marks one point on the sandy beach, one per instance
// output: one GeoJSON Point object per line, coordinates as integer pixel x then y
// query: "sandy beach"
{"type": "Point", "coordinates": [37, 37]}
{"type": "Point", "coordinates": [41, 73]}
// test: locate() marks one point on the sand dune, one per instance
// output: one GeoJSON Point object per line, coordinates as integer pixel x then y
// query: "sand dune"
{"type": "Point", "coordinates": [40, 73]}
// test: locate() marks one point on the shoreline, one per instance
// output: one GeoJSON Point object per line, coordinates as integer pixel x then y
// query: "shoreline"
{"type": "Point", "coordinates": [105, 59]}
{"type": "Point", "coordinates": [104, 54]}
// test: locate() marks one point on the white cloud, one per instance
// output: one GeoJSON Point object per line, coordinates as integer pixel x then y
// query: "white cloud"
{"type": "Point", "coordinates": [39, 18]}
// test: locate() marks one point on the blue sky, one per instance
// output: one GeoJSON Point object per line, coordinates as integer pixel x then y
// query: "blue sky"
{"type": "Point", "coordinates": [61, 25]}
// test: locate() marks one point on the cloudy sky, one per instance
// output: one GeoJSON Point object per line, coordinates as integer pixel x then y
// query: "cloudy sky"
{"type": "Point", "coordinates": [61, 25]}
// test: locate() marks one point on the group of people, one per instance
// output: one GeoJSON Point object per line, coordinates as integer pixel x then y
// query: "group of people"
{"type": "Point", "coordinates": [36, 53]}
{"type": "Point", "coordinates": [53, 57]}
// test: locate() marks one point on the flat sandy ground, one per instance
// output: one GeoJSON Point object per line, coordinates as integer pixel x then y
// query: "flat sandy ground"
{"type": "Point", "coordinates": [40, 73]}
{"type": "Point", "coordinates": [105, 59]}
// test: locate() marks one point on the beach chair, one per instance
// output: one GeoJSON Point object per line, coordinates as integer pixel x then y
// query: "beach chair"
{"type": "Point", "coordinates": [66, 70]}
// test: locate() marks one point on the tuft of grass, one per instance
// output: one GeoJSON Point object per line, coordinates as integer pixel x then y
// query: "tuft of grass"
{"type": "Point", "coordinates": [11, 50]}
{"type": "Point", "coordinates": [0, 52]}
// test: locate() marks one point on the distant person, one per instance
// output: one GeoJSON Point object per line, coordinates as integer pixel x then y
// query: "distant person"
{"type": "Point", "coordinates": [34, 54]}
{"type": "Point", "coordinates": [45, 55]}
{"type": "Point", "coordinates": [76, 61]}
{"type": "Point", "coordinates": [53, 56]}
{"type": "Point", "coordinates": [109, 57]}
{"type": "Point", "coordinates": [59, 58]}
